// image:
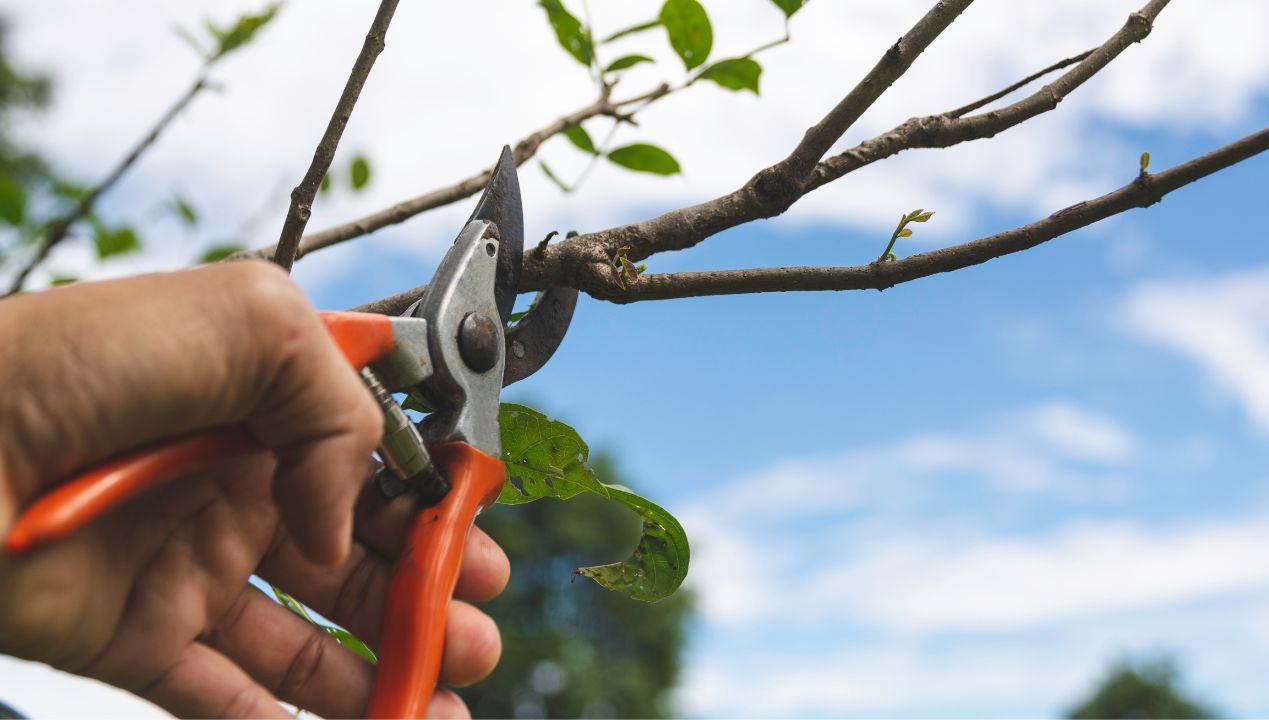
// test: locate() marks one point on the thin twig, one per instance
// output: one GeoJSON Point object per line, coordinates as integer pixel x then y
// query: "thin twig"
{"type": "Point", "coordinates": [936, 131]}
{"type": "Point", "coordinates": [582, 261]}
{"type": "Point", "coordinates": [60, 227]}
{"type": "Point", "coordinates": [525, 149]}
{"type": "Point", "coordinates": [893, 64]}
{"type": "Point", "coordinates": [983, 102]}
{"type": "Point", "coordinates": [1145, 190]}
{"type": "Point", "coordinates": [302, 196]}
{"type": "Point", "coordinates": [1141, 192]}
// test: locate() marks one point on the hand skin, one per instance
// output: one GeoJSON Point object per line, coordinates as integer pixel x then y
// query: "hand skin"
{"type": "Point", "coordinates": [153, 597]}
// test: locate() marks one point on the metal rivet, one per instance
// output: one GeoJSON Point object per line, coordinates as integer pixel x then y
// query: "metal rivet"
{"type": "Point", "coordinates": [478, 342]}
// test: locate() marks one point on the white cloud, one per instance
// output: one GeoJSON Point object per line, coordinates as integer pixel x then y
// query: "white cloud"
{"type": "Point", "coordinates": [38, 690]}
{"type": "Point", "coordinates": [1220, 322]}
{"type": "Point", "coordinates": [899, 579]}
{"type": "Point", "coordinates": [426, 122]}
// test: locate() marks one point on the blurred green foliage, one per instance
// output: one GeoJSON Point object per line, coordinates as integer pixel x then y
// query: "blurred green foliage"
{"type": "Point", "coordinates": [1143, 689]}
{"type": "Point", "coordinates": [573, 649]}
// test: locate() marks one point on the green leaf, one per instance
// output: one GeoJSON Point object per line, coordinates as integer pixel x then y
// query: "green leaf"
{"type": "Point", "coordinates": [735, 74]}
{"type": "Point", "coordinates": [691, 35]}
{"type": "Point", "coordinates": [1145, 162]}
{"type": "Point", "coordinates": [658, 565]}
{"type": "Point", "coordinates": [626, 61]}
{"type": "Point", "coordinates": [243, 30]}
{"type": "Point", "coordinates": [568, 31]}
{"type": "Point", "coordinates": [62, 280]}
{"type": "Point", "coordinates": [183, 210]}
{"type": "Point", "coordinates": [291, 603]}
{"type": "Point", "coordinates": [352, 642]}
{"type": "Point", "coordinates": [906, 232]}
{"type": "Point", "coordinates": [189, 38]}
{"type": "Point", "coordinates": [645, 158]}
{"type": "Point", "coordinates": [70, 191]}
{"type": "Point", "coordinates": [547, 458]}
{"type": "Point", "coordinates": [218, 253]}
{"type": "Point", "coordinates": [415, 403]}
{"type": "Point", "coordinates": [326, 184]}
{"type": "Point", "coordinates": [345, 638]}
{"type": "Point", "coordinates": [360, 172]}
{"type": "Point", "coordinates": [788, 7]}
{"type": "Point", "coordinates": [550, 174]}
{"type": "Point", "coordinates": [12, 201]}
{"type": "Point", "coordinates": [630, 31]}
{"type": "Point", "coordinates": [922, 216]}
{"type": "Point", "coordinates": [116, 241]}
{"type": "Point", "coordinates": [579, 137]}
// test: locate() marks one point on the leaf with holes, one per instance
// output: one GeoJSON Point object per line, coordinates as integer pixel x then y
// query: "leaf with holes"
{"type": "Point", "coordinates": [642, 157]}
{"type": "Point", "coordinates": [547, 459]}
{"type": "Point", "coordinates": [659, 563]}
{"type": "Point", "coordinates": [691, 35]}
{"type": "Point", "coordinates": [579, 137]}
{"type": "Point", "coordinates": [568, 31]}
{"type": "Point", "coordinates": [735, 74]}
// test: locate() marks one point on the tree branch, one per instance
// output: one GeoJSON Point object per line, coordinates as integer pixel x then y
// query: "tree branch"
{"type": "Point", "coordinates": [982, 102]}
{"type": "Point", "coordinates": [1147, 189]}
{"type": "Point", "coordinates": [890, 68]}
{"type": "Point", "coordinates": [584, 261]}
{"type": "Point", "coordinates": [937, 131]}
{"type": "Point", "coordinates": [302, 196]}
{"type": "Point", "coordinates": [525, 149]}
{"type": "Point", "coordinates": [60, 227]}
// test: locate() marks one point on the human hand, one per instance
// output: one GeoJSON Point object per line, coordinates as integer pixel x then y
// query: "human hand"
{"type": "Point", "coordinates": [153, 597]}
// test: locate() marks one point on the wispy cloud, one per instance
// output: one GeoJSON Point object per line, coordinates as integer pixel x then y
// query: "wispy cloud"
{"type": "Point", "coordinates": [1221, 323]}
{"type": "Point", "coordinates": [899, 579]}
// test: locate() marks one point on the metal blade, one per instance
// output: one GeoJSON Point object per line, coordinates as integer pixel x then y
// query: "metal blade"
{"type": "Point", "coordinates": [500, 204]}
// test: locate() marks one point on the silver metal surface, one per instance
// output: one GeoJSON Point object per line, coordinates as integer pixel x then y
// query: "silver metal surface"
{"type": "Point", "coordinates": [410, 363]}
{"type": "Point", "coordinates": [466, 401]}
{"type": "Point", "coordinates": [405, 457]}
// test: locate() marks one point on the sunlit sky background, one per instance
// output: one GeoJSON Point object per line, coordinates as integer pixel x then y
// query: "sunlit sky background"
{"type": "Point", "coordinates": [964, 496]}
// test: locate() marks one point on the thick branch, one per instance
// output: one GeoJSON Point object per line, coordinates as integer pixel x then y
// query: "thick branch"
{"type": "Point", "coordinates": [59, 227]}
{"type": "Point", "coordinates": [890, 68]}
{"type": "Point", "coordinates": [1146, 190]}
{"type": "Point", "coordinates": [302, 196]}
{"type": "Point", "coordinates": [582, 261]}
{"type": "Point", "coordinates": [937, 131]}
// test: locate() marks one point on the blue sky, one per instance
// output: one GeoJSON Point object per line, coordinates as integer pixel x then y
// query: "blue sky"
{"type": "Point", "coordinates": [964, 496]}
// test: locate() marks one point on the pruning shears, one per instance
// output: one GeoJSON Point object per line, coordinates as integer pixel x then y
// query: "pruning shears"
{"type": "Point", "coordinates": [455, 351]}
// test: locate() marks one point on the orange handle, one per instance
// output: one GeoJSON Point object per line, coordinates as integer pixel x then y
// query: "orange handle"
{"type": "Point", "coordinates": [362, 337]}
{"type": "Point", "coordinates": [423, 582]}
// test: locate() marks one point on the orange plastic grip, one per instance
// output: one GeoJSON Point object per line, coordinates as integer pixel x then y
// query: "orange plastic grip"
{"type": "Point", "coordinates": [423, 581]}
{"type": "Point", "coordinates": [362, 337]}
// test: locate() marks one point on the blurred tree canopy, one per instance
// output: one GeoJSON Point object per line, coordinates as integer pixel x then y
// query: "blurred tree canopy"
{"type": "Point", "coordinates": [1145, 689]}
{"type": "Point", "coordinates": [574, 649]}
{"type": "Point", "coordinates": [20, 92]}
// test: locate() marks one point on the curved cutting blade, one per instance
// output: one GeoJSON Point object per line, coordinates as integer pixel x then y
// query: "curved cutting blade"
{"type": "Point", "coordinates": [500, 204]}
